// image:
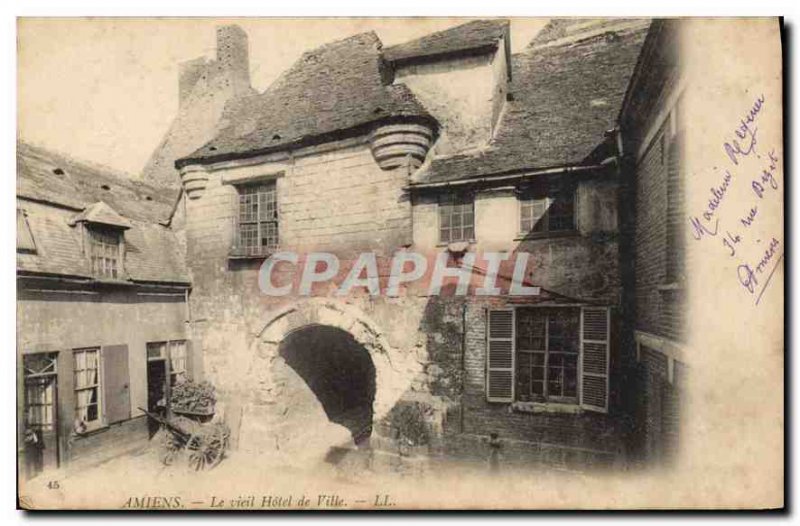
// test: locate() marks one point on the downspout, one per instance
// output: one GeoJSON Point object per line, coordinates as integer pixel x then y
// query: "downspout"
{"type": "Point", "coordinates": [463, 365]}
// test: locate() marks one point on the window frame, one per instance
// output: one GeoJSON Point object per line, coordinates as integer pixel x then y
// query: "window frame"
{"type": "Point", "coordinates": [95, 233]}
{"type": "Point", "coordinates": [100, 421]}
{"type": "Point", "coordinates": [672, 152]}
{"type": "Point", "coordinates": [166, 356]}
{"type": "Point", "coordinates": [173, 370]}
{"type": "Point", "coordinates": [45, 378]}
{"type": "Point", "coordinates": [545, 193]}
{"type": "Point", "coordinates": [465, 198]}
{"type": "Point", "coordinates": [256, 250]}
{"type": "Point", "coordinates": [547, 313]}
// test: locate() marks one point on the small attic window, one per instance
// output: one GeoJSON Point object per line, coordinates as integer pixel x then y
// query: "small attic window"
{"type": "Point", "coordinates": [148, 198]}
{"type": "Point", "coordinates": [276, 137]}
{"type": "Point", "coordinates": [378, 110]}
{"type": "Point", "coordinates": [212, 148]}
{"type": "Point", "coordinates": [105, 251]}
{"type": "Point", "coordinates": [25, 242]}
{"type": "Point", "coordinates": [58, 171]}
{"type": "Point", "coordinates": [105, 187]}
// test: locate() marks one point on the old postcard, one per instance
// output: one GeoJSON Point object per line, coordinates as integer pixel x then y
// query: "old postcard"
{"type": "Point", "coordinates": [394, 264]}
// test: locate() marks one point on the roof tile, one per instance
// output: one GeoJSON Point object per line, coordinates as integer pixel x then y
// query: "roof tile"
{"type": "Point", "coordinates": [339, 86]}
{"type": "Point", "coordinates": [52, 187]}
{"type": "Point", "coordinates": [473, 35]}
{"type": "Point", "coordinates": [566, 94]}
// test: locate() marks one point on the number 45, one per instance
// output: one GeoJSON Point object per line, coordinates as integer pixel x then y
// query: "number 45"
{"type": "Point", "coordinates": [53, 484]}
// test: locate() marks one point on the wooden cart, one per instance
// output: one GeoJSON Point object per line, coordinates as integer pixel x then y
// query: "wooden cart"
{"type": "Point", "coordinates": [203, 444]}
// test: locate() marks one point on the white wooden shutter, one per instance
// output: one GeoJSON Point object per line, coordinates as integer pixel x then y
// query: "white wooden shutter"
{"type": "Point", "coordinates": [500, 355]}
{"type": "Point", "coordinates": [595, 328]}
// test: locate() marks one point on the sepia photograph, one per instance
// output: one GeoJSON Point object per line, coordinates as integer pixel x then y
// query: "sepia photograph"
{"type": "Point", "coordinates": [399, 263]}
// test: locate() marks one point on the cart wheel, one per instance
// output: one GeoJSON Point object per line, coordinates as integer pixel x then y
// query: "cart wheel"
{"type": "Point", "coordinates": [218, 445]}
{"type": "Point", "coordinates": [197, 461]}
{"type": "Point", "coordinates": [172, 448]}
{"type": "Point", "coordinates": [196, 447]}
{"type": "Point", "coordinates": [214, 452]}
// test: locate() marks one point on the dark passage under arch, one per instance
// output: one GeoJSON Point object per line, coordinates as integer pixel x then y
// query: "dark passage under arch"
{"type": "Point", "coordinates": [339, 371]}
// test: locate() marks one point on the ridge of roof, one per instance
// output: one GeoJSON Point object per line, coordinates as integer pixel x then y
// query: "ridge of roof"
{"type": "Point", "coordinates": [470, 36]}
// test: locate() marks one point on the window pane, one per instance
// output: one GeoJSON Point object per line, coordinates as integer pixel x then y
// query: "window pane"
{"type": "Point", "coordinates": [154, 350]}
{"type": "Point", "coordinates": [456, 218]}
{"type": "Point", "coordinates": [547, 351]}
{"type": "Point", "coordinates": [87, 384]}
{"type": "Point", "coordinates": [258, 214]}
{"type": "Point", "coordinates": [269, 235]}
{"type": "Point", "coordinates": [91, 413]}
{"type": "Point", "coordinates": [571, 381]}
{"type": "Point", "coordinates": [104, 252]}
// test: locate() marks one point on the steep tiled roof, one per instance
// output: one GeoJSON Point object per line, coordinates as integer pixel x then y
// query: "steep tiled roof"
{"type": "Point", "coordinates": [474, 35]}
{"type": "Point", "coordinates": [337, 87]}
{"type": "Point", "coordinates": [55, 192]}
{"type": "Point", "coordinates": [49, 176]}
{"type": "Point", "coordinates": [567, 89]}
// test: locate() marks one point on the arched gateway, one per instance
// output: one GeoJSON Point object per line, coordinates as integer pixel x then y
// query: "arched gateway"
{"type": "Point", "coordinates": [341, 355]}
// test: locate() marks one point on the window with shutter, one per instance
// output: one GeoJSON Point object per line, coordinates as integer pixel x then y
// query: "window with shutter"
{"type": "Point", "coordinates": [25, 242]}
{"type": "Point", "coordinates": [595, 328]}
{"type": "Point", "coordinates": [500, 356]}
{"type": "Point", "coordinates": [675, 204]}
{"type": "Point", "coordinates": [547, 350]}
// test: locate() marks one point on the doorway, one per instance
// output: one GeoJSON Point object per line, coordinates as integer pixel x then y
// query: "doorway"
{"type": "Point", "coordinates": [157, 383]}
{"type": "Point", "coordinates": [41, 409]}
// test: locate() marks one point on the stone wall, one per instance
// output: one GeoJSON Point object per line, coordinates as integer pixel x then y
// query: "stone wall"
{"type": "Point", "coordinates": [583, 264]}
{"type": "Point", "coordinates": [428, 352]}
{"type": "Point", "coordinates": [334, 199]}
{"type": "Point", "coordinates": [460, 94]}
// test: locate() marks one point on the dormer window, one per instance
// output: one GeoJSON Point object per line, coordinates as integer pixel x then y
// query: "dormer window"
{"type": "Point", "coordinates": [105, 251]}
{"type": "Point", "coordinates": [103, 239]}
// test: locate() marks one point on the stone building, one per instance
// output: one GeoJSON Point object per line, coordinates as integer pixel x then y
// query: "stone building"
{"type": "Point", "coordinates": [447, 154]}
{"type": "Point", "coordinates": [450, 147]}
{"type": "Point", "coordinates": [101, 310]}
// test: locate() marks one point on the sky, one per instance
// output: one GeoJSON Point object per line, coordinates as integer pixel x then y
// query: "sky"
{"type": "Point", "coordinates": [106, 90]}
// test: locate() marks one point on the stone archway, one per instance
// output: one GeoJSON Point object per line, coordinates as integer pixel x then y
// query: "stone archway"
{"type": "Point", "coordinates": [394, 369]}
{"type": "Point", "coordinates": [338, 370]}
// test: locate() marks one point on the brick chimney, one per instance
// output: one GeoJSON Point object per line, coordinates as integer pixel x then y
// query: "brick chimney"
{"type": "Point", "coordinates": [229, 72]}
{"type": "Point", "coordinates": [204, 86]}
